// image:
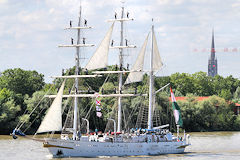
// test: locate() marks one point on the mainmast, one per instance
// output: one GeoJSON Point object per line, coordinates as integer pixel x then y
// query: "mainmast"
{"type": "Point", "coordinates": [77, 65]}
{"type": "Point", "coordinates": [120, 75]}
{"type": "Point", "coordinates": [151, 81]}
{"type": "Point", "coordinates": [121, 47]}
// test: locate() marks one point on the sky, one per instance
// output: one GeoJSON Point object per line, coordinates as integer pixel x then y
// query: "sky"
{"type": "Point", "coordinates": [31, 30]}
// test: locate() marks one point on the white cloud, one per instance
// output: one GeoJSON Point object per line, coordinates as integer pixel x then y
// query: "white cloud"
{"type": "Point", "coordinates": [236, 4]}
{"type": "Point", "coordinates": [35, 29]}
{"type": "Point", "coordinates": [178, 2]}
{"type": "Point", "coordinates": [3, 1]}
{"type": "Point", "coordinates": [163, 2]}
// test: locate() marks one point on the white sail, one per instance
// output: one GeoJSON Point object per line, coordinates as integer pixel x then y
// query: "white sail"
{"type": "Point", "coordinates": [100, 57]}
{"type": "Point", "coordinates": [53, 119]}
{"type": "Point", "coordinates": [138, 66]}
{"type": "Point", "coordinates": [157, 61]}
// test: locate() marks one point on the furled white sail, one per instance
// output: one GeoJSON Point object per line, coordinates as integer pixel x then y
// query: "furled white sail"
{"type": "Point", "coordinates": [138, 66]}
{"type": "Point", "coordinates": [100, 57]}
{"type": "Point", "coordinates": [53, 119]}
{"type": "Point", "coordinates": [157, 61]}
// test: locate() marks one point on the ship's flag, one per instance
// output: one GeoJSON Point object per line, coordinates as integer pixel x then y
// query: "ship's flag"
{"type": "Point", "coordinates": [98, 108]}
{"type": "Point", "coordinates": [98, 102]}
{"type": "Point", "coordinates": [99, 114]}
{"type": "Point", "coordinates": [176, 110]}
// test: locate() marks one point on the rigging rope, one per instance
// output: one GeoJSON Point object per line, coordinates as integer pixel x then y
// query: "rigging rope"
{"type": "Point", "coordinates": [19, 125]}
{"type": "Point", "coordinates": [65, 104]}
{"type": "Point", "coordinates": [66, 121]}
{"type": "Point", "coordinates": [67, 100]}
{"type": "Point", "coordinates": [113, 112]}
{"type": "Point", "coordinates": [35, 118]}
{"type": "Point", "coordinates": [94, 103]}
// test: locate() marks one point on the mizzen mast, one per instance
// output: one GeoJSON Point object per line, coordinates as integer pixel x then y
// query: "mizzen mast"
{"type": "Point", "coordinates": [151, 81]}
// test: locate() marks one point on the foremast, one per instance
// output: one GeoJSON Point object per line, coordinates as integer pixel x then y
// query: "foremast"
{"type": "Point", "coordinates": [77, 66]}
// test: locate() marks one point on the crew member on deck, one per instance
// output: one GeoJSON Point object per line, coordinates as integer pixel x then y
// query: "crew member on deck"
{"type": "Point", "coordinates": [126, 42]}
{"type": "Point", "coordinates": [72, 40]}
{"type": "Point", "coordinates": [115, 15]}
{"type": "Point", "coordinates": [96, 131]}
{"type": "Point", "coordinates": [85, 22]}
{"type": "Point", "coordinates": [70, 23]}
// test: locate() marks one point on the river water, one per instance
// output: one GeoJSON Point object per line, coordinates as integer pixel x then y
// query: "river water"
{"type": "Point", "coordinates": [205, 146]}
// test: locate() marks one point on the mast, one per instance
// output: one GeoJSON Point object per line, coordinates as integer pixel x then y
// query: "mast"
{"type": "Point", "coordinates": [120, 76]}
{"type": "Point", "coordinates": [121, 47]}
{"type": "Point", "coordinates": [77, 64]}
{"type": "Point", "coordinates": [151, 81]}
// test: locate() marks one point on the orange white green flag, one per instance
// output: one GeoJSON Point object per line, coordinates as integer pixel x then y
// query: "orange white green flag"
{"type": "Point", "coordinates": [176, 110]}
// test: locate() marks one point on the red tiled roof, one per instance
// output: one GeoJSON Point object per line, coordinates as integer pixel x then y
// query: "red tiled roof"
{"type": "Point", "coordinates": [184, 98]}
{"type": "Point", "coordinates": [237, 104]}
{"type": "Point", "coordinates": [198, 99]}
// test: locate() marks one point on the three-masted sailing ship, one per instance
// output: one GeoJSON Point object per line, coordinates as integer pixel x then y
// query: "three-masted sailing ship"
{"type": "Point", "coordinates": [149, 141]}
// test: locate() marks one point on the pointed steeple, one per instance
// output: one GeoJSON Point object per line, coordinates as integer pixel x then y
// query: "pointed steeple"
{"type": "Point", "coordinates": [212, 62]}
{"type": "Point", "coordinates": [213, 46]}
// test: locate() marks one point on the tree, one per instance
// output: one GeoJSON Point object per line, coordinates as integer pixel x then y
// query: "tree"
{"type": "Point", "coordinates": [38, 114]}
{"type": "Point", "coordinates": [8, 111]}
{"type": "Point", "coordinates": [21, 82]}
{"type": "Point", "coordinates": [182, 82]}
{"type": "Point", "coordinates": [237, 93]}
{"type": "Point", "coordinates": [226, 94]}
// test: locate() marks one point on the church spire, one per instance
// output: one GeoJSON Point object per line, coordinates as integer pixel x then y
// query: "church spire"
{"type": "Point", "coordinates": [212, 62]}
{"type": "Point", "coordinates": [213, 46]}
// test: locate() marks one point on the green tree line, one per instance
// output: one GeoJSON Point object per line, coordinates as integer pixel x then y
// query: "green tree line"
{"type": "Point", "coordinates": [21, 91]}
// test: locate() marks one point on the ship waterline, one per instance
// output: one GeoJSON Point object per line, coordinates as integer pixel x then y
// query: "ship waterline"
{"type": "Point", "coordinates": [62, 148]}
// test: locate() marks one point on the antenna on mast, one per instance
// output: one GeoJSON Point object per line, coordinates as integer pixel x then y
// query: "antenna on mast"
{"type": "Point", "coordinates": [122, 1]}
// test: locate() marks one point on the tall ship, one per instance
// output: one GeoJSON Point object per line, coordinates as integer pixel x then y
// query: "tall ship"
{"type": "Point", "coordinates": [152, 140]}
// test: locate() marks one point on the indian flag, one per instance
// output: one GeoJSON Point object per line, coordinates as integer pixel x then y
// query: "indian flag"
{"type": "Point", "coordinates": [176, 110]}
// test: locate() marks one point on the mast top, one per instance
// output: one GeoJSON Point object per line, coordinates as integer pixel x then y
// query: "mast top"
{"type": "Point", "coordinates": [152, 23]}
{"type": "Point", "coordinates": [80, 7]}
